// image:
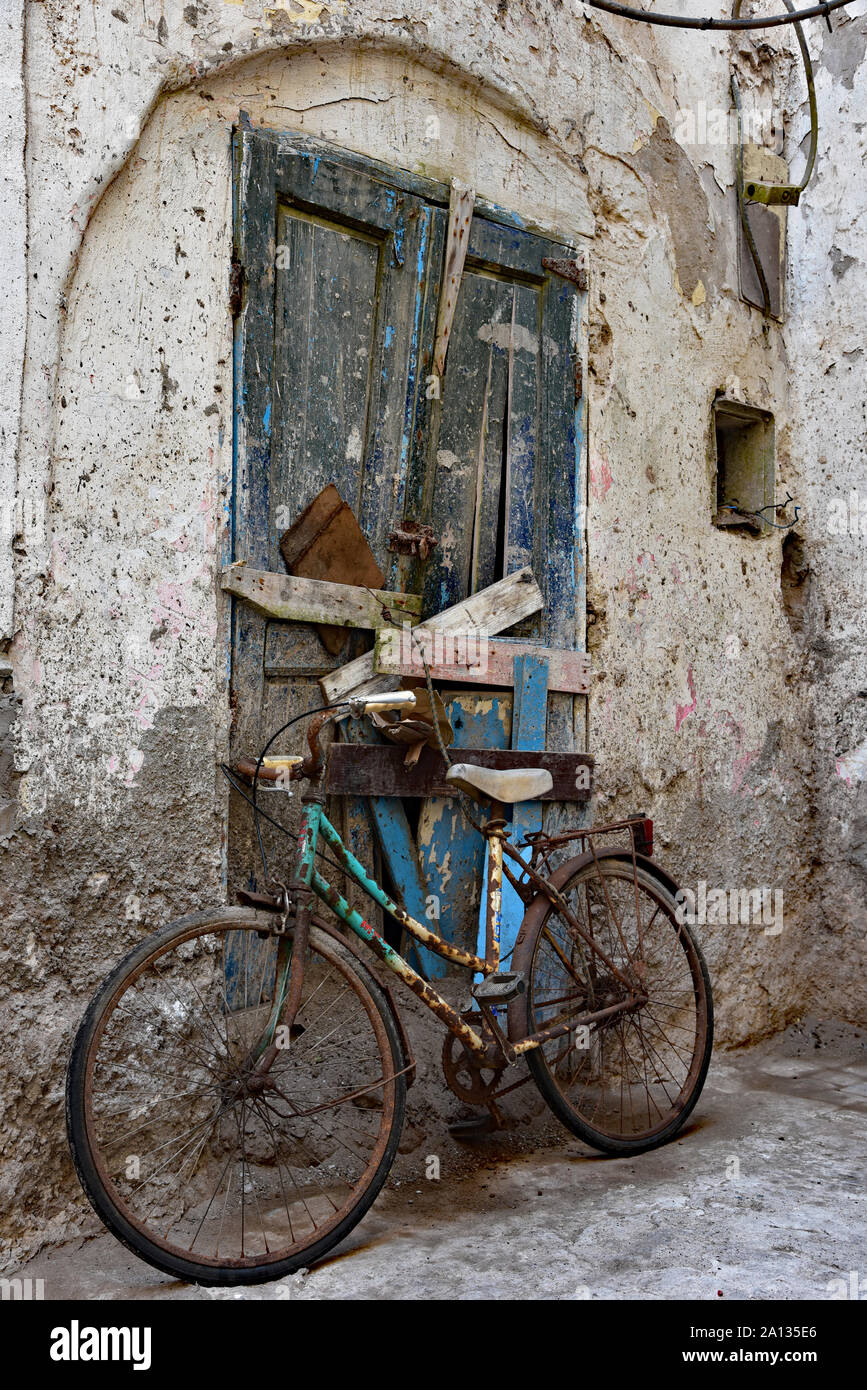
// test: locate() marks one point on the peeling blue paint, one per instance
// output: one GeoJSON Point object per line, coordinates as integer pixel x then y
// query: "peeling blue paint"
{"type": "Point", "coordinates": [414, 363]}
{"type": "Point", "coordinates": [398, 236]}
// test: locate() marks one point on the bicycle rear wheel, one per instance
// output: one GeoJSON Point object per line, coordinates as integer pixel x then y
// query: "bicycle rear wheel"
{"type": "Point", "coordinates": [629, 1081]}
{"type": "Point", "coordinates": [206, 1167]}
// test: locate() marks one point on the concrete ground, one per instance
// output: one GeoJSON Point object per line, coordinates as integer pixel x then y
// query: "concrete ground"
{"type": "Point", "coordinates": [762, 1196]}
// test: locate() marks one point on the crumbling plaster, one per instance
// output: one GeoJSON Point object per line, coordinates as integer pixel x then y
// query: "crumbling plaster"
{"type": "Point", "coordinates": [125, 452]}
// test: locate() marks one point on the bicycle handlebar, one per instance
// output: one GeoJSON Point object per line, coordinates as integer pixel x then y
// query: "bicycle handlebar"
{"type": "Point", "coordinates": [276, 769]}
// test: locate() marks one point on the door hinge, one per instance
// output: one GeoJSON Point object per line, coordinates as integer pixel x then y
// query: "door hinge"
{"type": "Point", "coordinates": [236, 287]}
{"type": "Point", "coordinates": [579, 380]}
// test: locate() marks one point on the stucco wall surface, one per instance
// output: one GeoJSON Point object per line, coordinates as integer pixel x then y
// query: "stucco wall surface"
{"type": "Point", "coordinates": [826, 342]}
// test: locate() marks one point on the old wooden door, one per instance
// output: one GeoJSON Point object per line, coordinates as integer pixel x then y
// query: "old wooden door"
{"type": "Point", "coordinates": [337, 270]}
{"type": "Point", "coordinates": [342, 262]}
{"type": "Point", "coordinates": [500, 487]}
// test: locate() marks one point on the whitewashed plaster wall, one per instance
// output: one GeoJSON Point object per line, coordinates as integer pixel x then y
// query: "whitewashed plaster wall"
{"type": "Point", "coordinates": [826, 342]}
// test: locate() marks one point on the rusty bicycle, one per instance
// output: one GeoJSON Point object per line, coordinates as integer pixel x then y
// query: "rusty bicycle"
{"type": "Point", "coordinates": [238, 1084]}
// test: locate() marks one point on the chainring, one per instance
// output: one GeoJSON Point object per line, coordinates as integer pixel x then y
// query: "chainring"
{"type": "Point", "coordinates": [472, 1083]}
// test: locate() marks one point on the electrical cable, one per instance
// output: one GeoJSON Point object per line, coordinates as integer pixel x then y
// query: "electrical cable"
{"type": "Point", "coordinates": [684, 22]}
{"type": "Point", "coordinates": [230, 774]}
{"type": "Point", "coordinates": [306, 714]}
{"type": "Point", "coordinates": [742, 205]}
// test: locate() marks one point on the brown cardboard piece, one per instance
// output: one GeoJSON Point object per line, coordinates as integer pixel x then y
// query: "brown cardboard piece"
{"type": "Point", "coordinates": [326, 542]}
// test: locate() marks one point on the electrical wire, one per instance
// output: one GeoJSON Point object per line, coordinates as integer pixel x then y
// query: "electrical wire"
{"type": "Point", "coordinates": [811, 91]}
{"type": "Point", "coordinates": [742, 204]}
{"type": "Point", "coordinates": [230, 775]}
{"type": "Point", "coordinates": [684, 22]}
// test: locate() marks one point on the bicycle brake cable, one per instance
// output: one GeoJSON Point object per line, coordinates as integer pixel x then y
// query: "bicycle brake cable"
{"type": "Point", "coordinates": [230, 774]}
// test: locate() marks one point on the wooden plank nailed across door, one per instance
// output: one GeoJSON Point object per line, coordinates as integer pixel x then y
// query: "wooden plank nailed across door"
{"type": "Point", "coordinates": [492, 610]}
{"type": "Point", "coordinates": [463, 656]}
{"type": "Point", "coordinates": [293, 599]}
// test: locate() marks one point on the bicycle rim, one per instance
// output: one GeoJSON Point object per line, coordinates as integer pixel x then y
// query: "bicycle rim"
{"type": "Point", "coordinates": [629, 1081]}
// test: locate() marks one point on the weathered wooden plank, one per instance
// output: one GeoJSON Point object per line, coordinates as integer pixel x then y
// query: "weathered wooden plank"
{"type": "Point", "coordinates": [425, 187]}
{"type": "Point", "coordinates": [396, 389]}
{"type": "Point", "coordinates": [401, 855]}
{"type": "Point", "coordinates": [466, 468]}
{"type": "Point", "coordinates": [463, 656]}
{"type": "Point", "coordinates": [493, 610]}
{"type": "Point", "coordinates": [365, 769]}
{"type": "Point", "coordinates": [293, 599]}
{"type": "Point", "coordinates": [461, 201]}
{"type": "Point", "coordinates": [386, 818]}
{"type": "Point", "coordinates": [522, 435]}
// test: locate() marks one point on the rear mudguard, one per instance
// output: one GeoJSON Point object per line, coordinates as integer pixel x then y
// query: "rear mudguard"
{"type": "Point", "coordinates": [537, 908]}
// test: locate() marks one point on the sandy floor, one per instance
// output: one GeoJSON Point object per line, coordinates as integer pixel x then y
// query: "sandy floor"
{"type": "Point", "coordinates": [763, 1196]}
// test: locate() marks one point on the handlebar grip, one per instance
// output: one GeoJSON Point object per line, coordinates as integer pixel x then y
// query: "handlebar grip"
{"type": "Point", "coordinates": [270, 771]}
{"type": "Point", "coordinates": [394, 699]}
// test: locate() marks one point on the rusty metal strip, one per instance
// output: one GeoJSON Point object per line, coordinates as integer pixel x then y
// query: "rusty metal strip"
{"type": "Point", "coordinates": [461, 202]}
{"type": "Point", "coordinates": [567, 270]}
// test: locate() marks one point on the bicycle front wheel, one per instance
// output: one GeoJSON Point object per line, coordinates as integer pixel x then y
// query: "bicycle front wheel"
{"type": "Point", "coordinates": [629, 1080]}
{"type": "Point", "coordinates": [207, 1166]}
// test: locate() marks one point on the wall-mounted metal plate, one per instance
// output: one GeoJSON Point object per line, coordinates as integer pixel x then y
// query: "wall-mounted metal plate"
{"type": "Point", "coordinates": [768, 226]}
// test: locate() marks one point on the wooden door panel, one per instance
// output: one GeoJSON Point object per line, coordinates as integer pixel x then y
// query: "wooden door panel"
{"type": "Point", "coordinates": [451, 852]}
{"type": "Point", "coordinates": [337, 267]}
{"type": "Point", "coordinates": [501, 495]}
{"type": "Point", "coordinates": [325, 324]}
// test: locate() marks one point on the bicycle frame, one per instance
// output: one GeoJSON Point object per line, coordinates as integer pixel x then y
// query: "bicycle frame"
{"type": "Point", "coordinates": [308, 881]}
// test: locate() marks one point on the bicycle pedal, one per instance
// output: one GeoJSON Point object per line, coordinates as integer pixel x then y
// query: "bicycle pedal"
{"type": "Point", "coordinates": [473, 1127]}
{"type": "Point", "coordinates": [499, 989]}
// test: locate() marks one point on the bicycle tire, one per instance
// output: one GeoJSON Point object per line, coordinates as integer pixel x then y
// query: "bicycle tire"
{"type": "Point", "coordinates": [103, 1194]}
